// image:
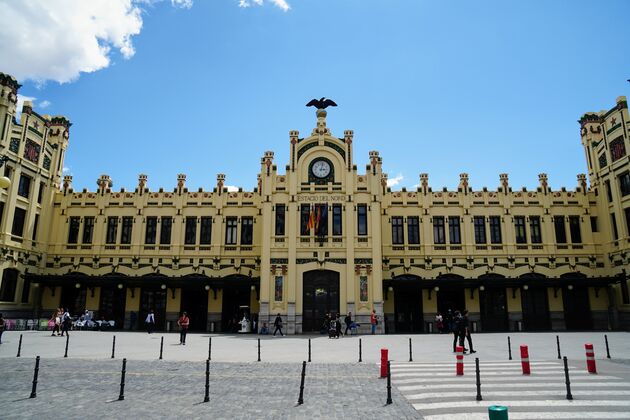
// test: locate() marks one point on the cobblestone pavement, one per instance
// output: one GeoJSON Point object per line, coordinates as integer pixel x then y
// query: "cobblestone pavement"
{"type": "Point", "coordinates": [79, 389]}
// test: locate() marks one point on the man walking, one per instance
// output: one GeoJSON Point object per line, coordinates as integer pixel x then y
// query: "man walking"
{"type": "Point", "coordinates": [348, 321]}
{"type": "Point", "coordinates": [278, 324]}
{"type": "Point", "coordinates": [183, 323]}
{"type": "Point", "coordinates": [150, 321]}
{"type": "Point", "coordinates": [466, 326]}
{"type": "Point", "coordinates": [66, 322]}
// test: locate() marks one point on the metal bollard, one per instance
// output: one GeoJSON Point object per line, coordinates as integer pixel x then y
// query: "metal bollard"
{"type": "Point", "coordinates": [558, 344]}
{"type": "Point", "coordinates": [209, 348]}
{"type": "Point", "coordinates": [566, 377]}
{"type": "Point", "coordinates": [410, 352]}
{"type": "Point", "coordinates": [259, 349]}
{"type": "Point", "coordinates": [20, 347]}
{"type": "Point", "coordinates": [478, 379]}
{"type": "Point", "coordinates": [113, 346]}
{"type": "Point", "coordinates": [389, 384]}
{"type": "Point", "coordinates": [121, 396]}
{"type": "Point", "coordinates": [161, 347]}
{"type": "Point", "coordinates": [509, 348]}
{"type": "Point", "coordinates": [309, 350]}
{"type": "Point", "coordinates": [605, 338]}
{"type": "Point", "coordinates": [206, 398]}
{"type": "Point", "coordinates": [301, 397]}
{"type": "Point", "coordinates": [67, 341]}
{"type": "Point", "coordinates": [360, 359]}
{"type": "Point", "coordinates": [35, 374]}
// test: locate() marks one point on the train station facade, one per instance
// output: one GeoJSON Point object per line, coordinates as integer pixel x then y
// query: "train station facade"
{"type": "Point", "coordinates": [320, 235]}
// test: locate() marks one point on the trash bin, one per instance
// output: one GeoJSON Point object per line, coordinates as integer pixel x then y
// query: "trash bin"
{"type": "Point", "coordinates": [212, 327]}
{"type": "Point", "coordinates": [168, 326]}
{"type": "Point", "coordinates": [430, 327]}
{"type": "Point", "coordinates": [474, 326]}
{"type": "Point", "coordinates": [519, 325]}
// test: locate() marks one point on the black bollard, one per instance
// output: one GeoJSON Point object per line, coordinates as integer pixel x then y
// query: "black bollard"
{"type": "Point", "coordinates": [67, 341]}
{"type": "Point", "coordinates": [410, 358]}
{"type": "Point", "coordinates": [389, 384]}
{"type": "Point", "coordinates": [35, 373]}
{"type": "Point", "coordinates": [605, 338]}
{"type": "Point", "coordinates": [301, 397]}
{"type": "Point", "coordinates": [309, 350]}
{"type": "Point", "coordinates": [207, 396]}
{"type": "Point", "coordinates": [509, 348]}
{"type": "Point", "coordinates": [259, 349]}
{"type": "Point", "coordinates": [209, 348]}
{"type": "Point", "coordinates": [20, 347]}
{"type": "Point", "coordinates": [121, 396]}
{"type": "Point", "coordinates": [113, 346]}
{"type": "Point", "coordinates": [566, 376]}
{"type": "Point", "coordinates": [360, 359]}
{"type": "Point", "coordinates": [161, 347]}
{"type": "Point", "coordinates": [558, 344]}
{"type": "Point", "coordinates": [478, 379]}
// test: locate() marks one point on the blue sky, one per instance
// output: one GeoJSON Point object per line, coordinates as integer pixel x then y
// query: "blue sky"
{"type": "Point", "coordinates": [442, 87]}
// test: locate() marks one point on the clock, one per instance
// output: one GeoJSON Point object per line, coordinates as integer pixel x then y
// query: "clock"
{"type": "Point", "coordinates": [320, 169]}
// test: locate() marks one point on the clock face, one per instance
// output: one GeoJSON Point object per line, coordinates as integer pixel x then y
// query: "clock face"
{"type": "Point", "coordinates": [321, 169]}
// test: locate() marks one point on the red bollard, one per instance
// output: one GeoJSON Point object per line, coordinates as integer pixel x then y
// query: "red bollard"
{"type": "Point", "coordinates": [590, 358]}
{"type": "Point", "coordinates": [459, 356]}
{"type": "Point", "coordinates": [525, 360]}
{"type": "Point", "coordinates": [384, 353]}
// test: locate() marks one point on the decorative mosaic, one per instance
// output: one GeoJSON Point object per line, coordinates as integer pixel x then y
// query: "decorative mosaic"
{"type": "Point", "coordinates": [305, 148]}
{"type": "Point", "coordinates": [46, 162]}
{"type": "Point", "coordinates": [603, 162]}
{"type": "Point", "coordinates": [337, 148]}
{"type": "Point", "coordinates": [617, 149]}
{"type": "Point", "coordinates": [32, 151]}
{"type": "Point", "coordinates": [14, 146]}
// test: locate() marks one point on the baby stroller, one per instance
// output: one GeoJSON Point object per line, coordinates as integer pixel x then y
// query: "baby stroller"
{"type": "Point", "coordinates": [332, 329]}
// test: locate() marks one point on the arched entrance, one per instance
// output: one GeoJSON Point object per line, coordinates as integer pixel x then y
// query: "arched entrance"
{"type": "Point", "coordinates": [320, 297]}
{"type": "Point", "coordinates": [408, 316]}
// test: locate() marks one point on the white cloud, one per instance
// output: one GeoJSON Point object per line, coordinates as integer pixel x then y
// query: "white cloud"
{"type": "Point", "coordinates": [282, 4]}
{"type": "Point", "coordinates": [231, 188]}
{"type": "Point", "coordinates": [65, 170]}
{"type": "Point", "coordinates": [20, 103]}
{"type": "Point", "coordinates": [395, 180]}
{"type": "Point", "coordinates": [183, 4]}
{"type": "Point", "coordinates": [44, 104]}
{"type": "Point", "coordinates": [59, 39]}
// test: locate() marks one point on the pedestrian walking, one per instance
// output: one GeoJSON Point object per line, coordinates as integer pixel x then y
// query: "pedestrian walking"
{"type": "Point", "coordinates": [466, 325]}
{"type": "Point", "coordinates": [150, 321]}
{"type": "Point", "coordinates": [348, 321]}
{"type": "Point", "coordinates": [373, 321]}
{"type": "Point", "coordinates": [278, 325]}
{"type": "Point", "coordinates": [2, 327]}
{"type": "Point", "coordinates": [456, 325]}
{"type": "Point", "coordinates": [338, 326]}
{"type": "Point", "coordinates": [66, 322]}
{"type": "Point", "coordinates": [183, 323]}
{"type": "Point", "coordinates": [55, 320]}
{"type": "Point", "coordinates": [439, 322]}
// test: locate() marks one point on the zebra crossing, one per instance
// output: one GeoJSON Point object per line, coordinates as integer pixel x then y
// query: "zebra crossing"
{"type": "Point", "coordinates": [438, 394]}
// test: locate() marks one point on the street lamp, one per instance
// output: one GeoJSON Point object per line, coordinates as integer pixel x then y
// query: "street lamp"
{"type": "Point", "coordinates": [4, 181]}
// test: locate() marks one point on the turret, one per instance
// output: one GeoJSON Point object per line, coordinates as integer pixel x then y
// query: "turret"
{"type": "Point", "coordinates": [8, 100]}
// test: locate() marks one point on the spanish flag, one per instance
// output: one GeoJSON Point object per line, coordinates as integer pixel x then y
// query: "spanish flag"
{"type": "Point", "coordinates": [311, 220]}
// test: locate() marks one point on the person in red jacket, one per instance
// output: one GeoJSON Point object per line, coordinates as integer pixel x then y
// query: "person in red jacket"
{"type": "Point", "coordinates": [183, 323]}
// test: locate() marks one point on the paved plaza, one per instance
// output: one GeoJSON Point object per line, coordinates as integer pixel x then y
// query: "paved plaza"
{"type": "Point", "coordinates": [86, 383]}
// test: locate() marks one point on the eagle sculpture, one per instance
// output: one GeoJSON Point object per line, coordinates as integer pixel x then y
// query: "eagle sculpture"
{"type": "Point", "coordinates": [322, 103]}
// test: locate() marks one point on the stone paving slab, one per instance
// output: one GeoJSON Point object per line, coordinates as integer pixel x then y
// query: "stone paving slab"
{"type": "Point", "coordinates": [79, 388]}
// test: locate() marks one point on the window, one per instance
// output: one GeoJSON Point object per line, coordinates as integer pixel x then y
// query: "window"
{"type": "Point", "coordinates": [150, 232]}
{"type": "Point", "coordinates": [26, 290]}
{"type": "Point", "coordinates": [615, 232]}
{"type": "Point", "coordinates": [608, 191]}
{"type": "Point", "coordinates": [230, 230]}
{"type": "Point", "coordinates": [9, 284]}
{"type": "Point", "coordinates": [519, 227]}
{"type": "Point", "coordinates": [40, 193]}
{"type": "Point", "coordinates": [574, 228]}
{"type": "Point", "coordinates": [205, 230]}
{"type": "Point", "coordinates": [190, 233]}
{"type": "Point", "coordinates": [534, 229]}
{"type": "Point", "coordinates": [336, 222]}
{"type": "Point", "coordinates": [18, 222]}
{"type": "Point", "coordinates": [413, 229]}
{"type": "Point", "coordinates": [1, 210]}
{"type": "Point", "coordinates": [127, 228]}
{"type": "Point", "coordinates": [24, 187]}
{"type": "Point", "coordinates": [594, 227]}
{"type": "Point", "coordinates": [305, 213]}
{"type": "Point", "coordinates": [73, 229]}
{"type": "Point", "coordinates": [480, 229]}
{"type": "Point", "coordinates": [454, 233]}
{"type": "Point", "coordinates": [362, 222]}
{"type": "Point", "coordinates": [165, 230]}
{"type": "Point", "coordinates": [561, 233]}
{"type": "Point", "coordinates": [247, 230]}
{"type": "Point", "coordinates": [35, 225]}
{"type": "Point", "coordinates": [112, 230]}
{"type": "Point", "coordinates": [438, 230]}
{"type": "Point", "coordinates": [321, 219]}
{"type": "Point", "coordinates": [627, 212]}
{"type": "Point", "coordinates": [398, 237]}
{"type": "Point", "coordinates": [624, 183]}
{"type": "Point", "coordinates": [88, 229]}
{"type": "Point", "coordinates": [280, 217]}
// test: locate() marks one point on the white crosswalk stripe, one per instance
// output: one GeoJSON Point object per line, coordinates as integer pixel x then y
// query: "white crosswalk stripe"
{"type": "Point", "coordinates": [437, 393]}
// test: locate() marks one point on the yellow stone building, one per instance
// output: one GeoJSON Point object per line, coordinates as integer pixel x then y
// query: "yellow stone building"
{"type": "Point", "coordinates": [319, 236]}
